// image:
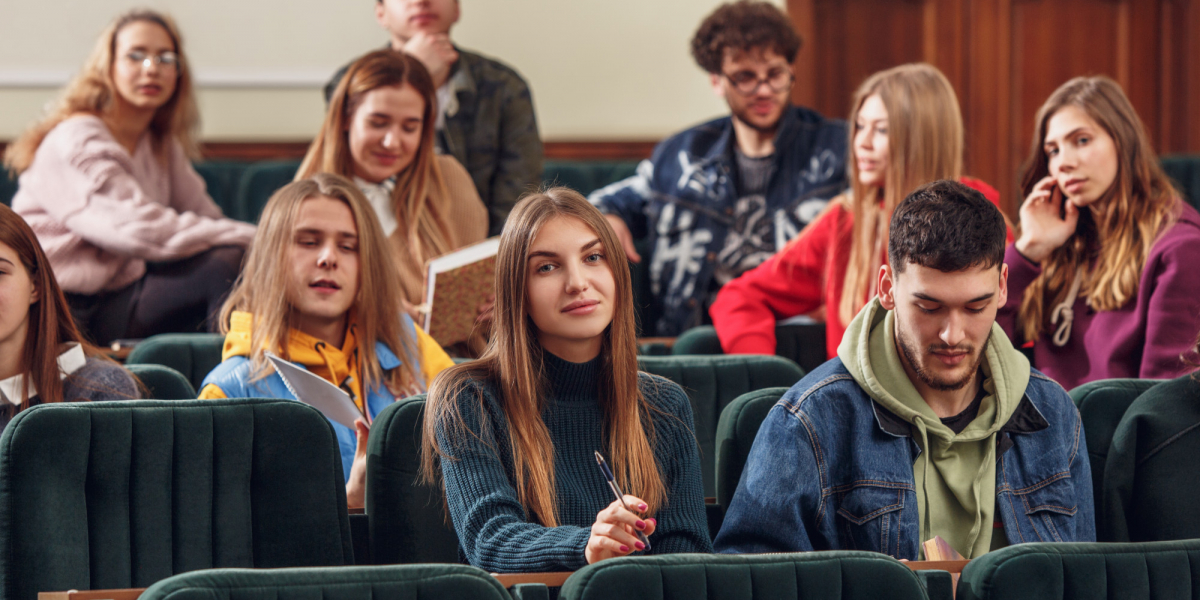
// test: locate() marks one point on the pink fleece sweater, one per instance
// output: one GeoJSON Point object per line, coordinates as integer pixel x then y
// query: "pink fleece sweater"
{"type": "Point", "coordinates": [100, 213]}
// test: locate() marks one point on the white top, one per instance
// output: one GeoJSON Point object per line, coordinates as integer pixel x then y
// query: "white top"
{"type": "Point", "coordinates": [72, 359]}
{"type": "Point", "coordinates": [380, 197]}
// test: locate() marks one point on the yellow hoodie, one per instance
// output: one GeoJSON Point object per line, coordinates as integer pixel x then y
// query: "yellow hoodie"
{"type": "Point", "coordinates": [337, 365]}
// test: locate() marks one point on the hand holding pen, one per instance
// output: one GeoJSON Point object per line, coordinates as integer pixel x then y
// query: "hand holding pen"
{"type": "Point", "coordinates": [618, 530]}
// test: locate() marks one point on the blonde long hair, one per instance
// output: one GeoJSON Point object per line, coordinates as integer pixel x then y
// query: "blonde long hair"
{"type": "Point", "coordinates": [424, 232]}
{"type": "Point", "coordinates": [1120, 228]}
{"type": "Point", "coordinates": [925, 143]}
{"type": "Point", "coordinates": [513, 365]}
{"type": "Point", "coordinates": [92, 92]}
{"type": "Point", "coordinates": [261, 289]}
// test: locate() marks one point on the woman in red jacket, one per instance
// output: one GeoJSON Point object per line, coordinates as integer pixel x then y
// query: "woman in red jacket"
{"type": "Point", "coordinates": [907, 131]}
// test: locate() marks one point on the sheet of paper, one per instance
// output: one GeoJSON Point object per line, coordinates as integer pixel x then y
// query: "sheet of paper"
{"type": "Point", "coordinates": [316, 392]}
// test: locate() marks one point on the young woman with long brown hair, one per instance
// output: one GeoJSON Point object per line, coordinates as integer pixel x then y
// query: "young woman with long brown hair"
{"type": "Point", "coordinates": [320, 290]}
{"type": "Point", "coordinates": [106, 182]}
{"type": "Point", "coordinates": [43, 358]}
{"type": "Point", "coordinates": [379, 130]}
{"type": "Point", "coordinates": [1102, 278]}
{"type": "Point", "coordinates": [512, 435]}
{"type": "Point", "coordinates": [906, 131]}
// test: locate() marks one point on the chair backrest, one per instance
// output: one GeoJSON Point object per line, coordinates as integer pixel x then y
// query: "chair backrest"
{"type": "Point", "coordinates": [408, 523]}
{"type": "Point", "coordinates": [221, 180]}
{"type": "Point", "coordinates": [340, 583]}
{"type": "Point", "coordinates": [194, 355]}
{"type": "Point", "coordinates": [802, 342]}
{"type": "Point", "coordinates": [1075, 571]}
{"type": "Point", "coordinates": [163, 383]}
{"type": "Point", "coordinates": [1101, 405]}
{"type": "Point", "coordinates": [833, 575]}
{"type": "Point", "coordinates": [104, 495]}
{"type": "Point", "coordinates": [712, 382]}
{"type": "Point", "coordinates": [1185, 170]}
{"type": "Point", "coordinates": [259, 182]}
{"type": "Point", "coordinates": [736, 429]}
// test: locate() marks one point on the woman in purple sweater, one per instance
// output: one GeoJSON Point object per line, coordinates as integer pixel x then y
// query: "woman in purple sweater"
{"type": "Point", "coordinates": [107, 185]}
{"type": "Point", "coordinates": [1099, 278]}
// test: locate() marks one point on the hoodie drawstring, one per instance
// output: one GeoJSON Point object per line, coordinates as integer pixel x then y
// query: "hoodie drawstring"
{"type": "Point", "coordinates": [1066, 311]}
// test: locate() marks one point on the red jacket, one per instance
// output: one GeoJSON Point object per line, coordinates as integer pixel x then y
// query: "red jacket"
{"type": "Point", "coordinates": [806, 275]}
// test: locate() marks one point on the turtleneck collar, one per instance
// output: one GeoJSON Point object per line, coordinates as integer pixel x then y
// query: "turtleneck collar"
{"type": "Point", "coordinates": [572, 382]}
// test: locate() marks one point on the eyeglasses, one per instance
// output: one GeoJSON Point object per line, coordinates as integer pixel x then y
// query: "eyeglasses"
{"type": "Point", "coordinates": [747, 82]}
{"type": "Point", "coordinates": [166, 60]}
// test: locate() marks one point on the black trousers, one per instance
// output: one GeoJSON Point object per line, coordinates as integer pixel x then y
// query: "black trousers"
{"type": "Point", "coordinates": [179, 296]}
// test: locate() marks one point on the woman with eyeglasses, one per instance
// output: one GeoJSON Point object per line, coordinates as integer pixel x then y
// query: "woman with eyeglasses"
{"type": "Point", "coordinates": [136, 242]}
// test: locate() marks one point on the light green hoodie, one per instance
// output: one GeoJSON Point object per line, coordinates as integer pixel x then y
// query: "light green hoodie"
{"type": "Point", "coordinates": [955, 475]}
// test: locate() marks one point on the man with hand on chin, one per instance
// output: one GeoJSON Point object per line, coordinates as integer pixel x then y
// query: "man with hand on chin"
{"type": "Point", "coordinates": [929, 422]}
{"type": "Point", "coordinates": [722, 197]}
{"type": "Point", "coordinates": [485, 110]}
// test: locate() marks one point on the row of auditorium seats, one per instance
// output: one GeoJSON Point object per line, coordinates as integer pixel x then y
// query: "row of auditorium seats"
{"type": "Point", "coordinates": [1040, 571]}
{"type": "Point", "coordinates": [256, 483]}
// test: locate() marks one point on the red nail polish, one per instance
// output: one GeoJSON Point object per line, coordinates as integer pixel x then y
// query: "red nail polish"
{"type": "Point", "coordinates": [642, 506]}
{"type": "Point", "coordinates": [626, 548]}
{"type": "Point", "coordinates": [639, 545]}
{"type": "Point", "coordinates": [641, 525]}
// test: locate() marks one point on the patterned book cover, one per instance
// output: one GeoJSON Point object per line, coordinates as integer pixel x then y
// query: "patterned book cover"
{"type": "Point", "coordinates": [457, 294]}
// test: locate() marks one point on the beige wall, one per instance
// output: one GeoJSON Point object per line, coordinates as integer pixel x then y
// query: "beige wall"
{"type": "Point", "coordinates": [599, 69]}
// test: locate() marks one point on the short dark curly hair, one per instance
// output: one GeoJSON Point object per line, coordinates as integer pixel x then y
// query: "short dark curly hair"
{"type": "Point", "coordinates": [742, 26]}
{"type": "Point", "coordinates": [947, 226]}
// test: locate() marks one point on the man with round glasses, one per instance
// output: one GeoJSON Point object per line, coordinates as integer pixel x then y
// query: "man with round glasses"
{"type": "Point", "coordinates": [718, 199]}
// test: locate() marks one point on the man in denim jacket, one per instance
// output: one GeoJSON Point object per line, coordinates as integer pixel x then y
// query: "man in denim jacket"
{"type": "Point", "coordinates": [722, 197]}
{"type": "Point", "coordinates": [928, 423]}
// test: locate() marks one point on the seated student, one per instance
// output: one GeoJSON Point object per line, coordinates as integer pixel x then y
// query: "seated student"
{"type": "Point", "coordinates": [512, 435]}
{"type": "Point", "coordinates": [379, 130]}
{"type": "Point", "coordinates": [485, 116]}
{"type": "Point", "coordinates": [929, 422]}
{"type": "Point", "coordinates": [907, 131]}
{"type": "Point", "coordinates": [1103, 274]}
{"type": "Point", "coordinates": [43, 358]}
{"type": "Point", "coordinates": [320, 290]}
{"type": "Point", "coordinates": [722, 197]}
{"type": "Point", "coordinates": [106, 183]}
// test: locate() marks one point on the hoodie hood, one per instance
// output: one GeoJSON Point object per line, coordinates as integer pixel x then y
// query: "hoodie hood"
{"type": "Point", "coordinates": [955, 474]}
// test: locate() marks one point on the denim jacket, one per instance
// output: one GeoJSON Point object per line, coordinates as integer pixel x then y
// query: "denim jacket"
{"type": "Point", "coordinates": [832, 470]}
{"type": "Point", "coordinates": [684, 200]}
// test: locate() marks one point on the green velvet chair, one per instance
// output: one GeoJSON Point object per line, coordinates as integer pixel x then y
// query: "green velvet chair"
{"type": "Point", "coordinates": [341, 583]}
{"type": "Point", "coordinates": [586, 176]}
{"type": "Point", "coordinates": [163, 383]}
{"type": "Point", "coordinates": [260, 180]}
{"type": "Point", "coordinates": [1150, 477]}
{"type": "Point", "coordinates": [104, 495]}
{"type": "Point", "coordinates": [1101, 405]}
{"type": "Point", "coordinates": [711, 383]}
{"type": "Point", "coordinates": [407, 521]}
{"type": "Point", "coordinates": [736, 430]}
{"type": "Point", "coordinates": [801, 340]}
{"type": "Point", "coordinates": [1184, 169]}
{"type": "Point", "coordinates": [221, 179]}
{"type": "Point", "coordinates": [194, 355]}
{"type": "Point", "coordinates": [1078, 571]}
{"type": "Point", "coordinates": [831, 575]}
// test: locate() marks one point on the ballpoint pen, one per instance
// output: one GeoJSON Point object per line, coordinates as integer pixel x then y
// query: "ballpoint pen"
{"type": "Point", "coordinates": [612, 485]}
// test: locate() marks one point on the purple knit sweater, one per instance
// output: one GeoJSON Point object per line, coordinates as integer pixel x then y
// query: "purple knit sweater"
{"type": "Point", "coordinates": [1143, 339]}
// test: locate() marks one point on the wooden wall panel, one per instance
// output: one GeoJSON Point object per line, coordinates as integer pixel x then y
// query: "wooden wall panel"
{"type": "Point", "coordinates": [1005, 57]}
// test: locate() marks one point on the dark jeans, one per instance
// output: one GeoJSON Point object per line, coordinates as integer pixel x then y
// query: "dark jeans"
{"type": "Point", "coordinates": [180, 296]}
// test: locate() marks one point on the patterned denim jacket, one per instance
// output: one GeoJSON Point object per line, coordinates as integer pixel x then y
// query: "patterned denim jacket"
{"type": "Point", "coordinates": [685, 200]}
{"type": "Point", "coordinates": [832, 470]}
{"type": "Point", "coordinates": [490, 129]}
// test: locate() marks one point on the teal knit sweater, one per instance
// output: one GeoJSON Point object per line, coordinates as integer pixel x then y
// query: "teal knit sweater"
{"type": "Point", "coordinates": [493, 530]}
